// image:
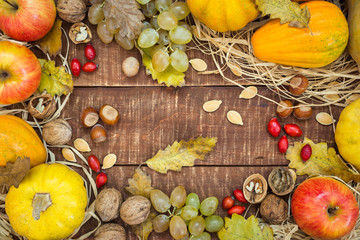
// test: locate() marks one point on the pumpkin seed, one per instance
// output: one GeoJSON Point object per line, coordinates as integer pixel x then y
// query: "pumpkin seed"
{"type": "Point", "coordinates": [212, 105]}
{"type": "Point", "coordinates": [235, 69]}
{"type": "Point", "coordinates": [352, 98]}
{"type": "Point", "coordinates": [68, 154]}
{"type": "Point", "coordinates": [324, 118]}
{"type": "Point", "coordinates": [198, 64]}
{"type": "Point", "coordinates": [234, 117]}
{"type": "Point", "coordinates": [81, 145]}
{"type": "Point", "coordinates": [248, 92]}
{"type": "Point", "coordinates": [109, 161]}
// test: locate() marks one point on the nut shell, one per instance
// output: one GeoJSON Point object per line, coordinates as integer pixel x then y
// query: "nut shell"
{"type": "Point", "coordinates": [284, 109]}
{"type": "Point", "coordinates": [298, 84]}
{"type": "Point", "coordinates": [281, 181]}
{"type": "Point", "coordinates": [57, 132]}
{"type": "Point", "coordinates": [75, 30]}
{"type": "Point", "coordinates": [274, 209]}
{"type": "Point", "coordinates": [48, 103]}
{"type": "Point", "coordinates": [110, 231]}
{"type": "Point", "coordinates": [135, 210]}
{"type": "Point", "coordinates": [109, 115]}
{"type": "Point", "coordinates": [89, 117]}
{"type": "Point", "coordinates": [98, 133]}
{"type": "Point", "coordinates": [71, 11]}
{"type": "Point", "coordinates": [303, 112]}
{"type": "Point", "coordinates": [107, 204]}
{"type": "Point", "coordinates": [257, 197]}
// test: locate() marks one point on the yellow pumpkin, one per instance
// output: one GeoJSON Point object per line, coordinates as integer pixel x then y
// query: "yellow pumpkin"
{"type": "Point", "coordinates": [18, 139]}
{"type": "Point", "coordinates": [224, 15]}
{"type": "Point", "coordinates": [49, 203]}
{"type": "Point", "coordinates": [354, 28]}
{"type": "Point", "coordinates": [279, 43]}
{"type": "Point", "coordinates": [347, 134]}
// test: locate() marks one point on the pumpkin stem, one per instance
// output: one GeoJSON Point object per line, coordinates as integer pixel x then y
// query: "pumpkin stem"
{"type": "Point", "coordinates": [40, 203]}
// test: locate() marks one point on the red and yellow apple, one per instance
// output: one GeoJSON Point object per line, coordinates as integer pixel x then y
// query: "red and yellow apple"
{"type": "Point", "coordinates": [27, 20]}
{"type": "Point", "coordinates": [324, 208]}
{"type": "Point", "coordinates": [20, 72]}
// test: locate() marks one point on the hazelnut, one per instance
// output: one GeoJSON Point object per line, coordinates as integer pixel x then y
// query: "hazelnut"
{"type": "Point", "coordinates": [298, 85]}
{"type": "Point", "coordinates": [284, 109]}
{"type": "Point", "coordinates": [98, 133]}
{"type": "Point", "coordinates": [109, 115]}
{"type": "Point", "coordinates": [302, 112]}
{"type": "Point", "coordinates": [89, 117]}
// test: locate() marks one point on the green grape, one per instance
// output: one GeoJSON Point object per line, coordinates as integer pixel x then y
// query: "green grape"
{"type": "Point", "coordinates": [111, 25]}
{"type": "Point", "coordinates": [214, 223]}
{"type": "Point", "coordinates": [178, 196]}
{"type": "Point", "coordinates": [160, 223]}
{"type": "Point", "coordinates": [181, 47]}
{"type": "Point", "coordinates": [178, 229]}
{"type": "Point", "coordinates": [96, 13]}
{"type": "Point", "coordinates": [143, 1]}
{"type": "Point", "coordinates": [104, 35]}
{"type": "Point", "coordinates": [208, 206]}
{"type": "Point", "coordinates": [179, 60]}
{"type": "Point", "coordinates": [185, 25]}
{"type": "Point", "coordinates": [162, 5]}
{"type": "Point", "coordinates": [124, 42]}
{"type": "Point", "coordinates": [154, 23]}
{"type": "Point", "coordinates": [186, 237]}
{"type": "Point", "coordinates": [159, 200]}
{"type": "Point", "coordinates": [180, 35]}
{"type": "Point", "coordinates": [180, 10]}
{"type": "Point", "coordinates": [202, 236]}
{"type": "Point", "coordinates": [197, 225]}
{"type": "Point", "coordinates": [149, 10]}
{"type": "Point", "coordinates": [160, 60]}
{"type": "Point", "coordinates": [148, 38]}
{"type": "Point", "coordinates": [146, 25]}
{"type": "Point", "coordinates": [163, 37]}
{"type": "Point", "coordinates": [156, 48]}
{"type": "Point", "coordinates": [193, 200]}
{"type": "Point", "coordinates": [189, 212]}
{"type": "Point", "coordinates": [167, 20]}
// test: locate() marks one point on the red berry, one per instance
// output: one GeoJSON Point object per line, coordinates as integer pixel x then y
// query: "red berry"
{"type": "Point", "coordinates": [293, 130]}
{"type": "Point", "coordinates": [283, 144]}
{"type": "Point", "coordinates": [239, 195]}
{"type": "Point", "coordinates": [94, 163]}
{"type": "Point", "coordinates": [89, 67]}
{"type": "Point", "coordinates": [228, 202]}
{"type": "Point", "coordinates": [90, 52]}
{"type": "Point", "coordinates": [100, 180]}
{"type": "Point", "coordinates": [306, 152]}
{"type": "Point", "coordinates": [274, 127]}
{"type": "Point", "coordinates": [75, 67]}
{"type": "Point", "coordinates": [236, 209]}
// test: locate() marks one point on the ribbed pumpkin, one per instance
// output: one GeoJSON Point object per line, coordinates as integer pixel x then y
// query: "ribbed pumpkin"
{"type": "Point", "coordinates": [292, 46]}
{"type": "Point", "coordinates": [224, 15]}
{"type": "Point", "coordinates": [18, 139]}
{"type": "Point", "coordinates": [354, 27]}
{"type": "Point", "coordinates": [49, 203]}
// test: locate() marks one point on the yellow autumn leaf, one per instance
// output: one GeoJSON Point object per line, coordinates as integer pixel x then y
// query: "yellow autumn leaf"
{"type": "Point", "coordinates": [143, 230]}
{"type": "Point", "coordinates": [51, 42]}
{"type": "Point", "coordinates": [139, 184]}
{"type": "Point", "coordinates": [181, 154]}
{"type": "Point", "coordinates": [323, 161]}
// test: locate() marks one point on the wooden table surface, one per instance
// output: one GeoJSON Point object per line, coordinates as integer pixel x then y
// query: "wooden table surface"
{"type": "Point", "coordinates": [154, 116]}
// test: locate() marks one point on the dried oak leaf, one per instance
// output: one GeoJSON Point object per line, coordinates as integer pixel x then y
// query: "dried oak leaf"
{"type": "Point", "coordinates": [55, 80]}
{"type": "Point", "coordinates": [143, 230]}
{"type": "Point", "coordinates": [139, 184]}
{"type": "Point", "coordinates": [239, 228]}
{"type": "Point", "coordinates": [127, 15]}
{"type": "Point", "coordinates": [181, 154]}
{"type": "Point", "coordinates": [13, 173]}
{"type": "Point", "coordinates": [323, 161]}
{"type": "Point", "coordinates": [286, 10]}
{"type": "Point", "coordinates": [51, 42]}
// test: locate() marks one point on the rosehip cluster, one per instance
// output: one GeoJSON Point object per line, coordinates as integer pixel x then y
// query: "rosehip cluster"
{"type": "Point", "coordinates": [90, 54]}
{"type": "Point", "coordinates": [228, 202]}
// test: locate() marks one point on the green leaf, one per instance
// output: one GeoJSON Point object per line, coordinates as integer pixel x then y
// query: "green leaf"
{"type": "Point", "coordinates": [170, 76]}
{"type": "Point", "coordinates": [323, 161]}
{"type": "Point", "coordinates": [238, 228]}
{"type": "Point", "coordinates": [55, 80]}
{"type": "Point", "coordinates": [181, 154]}
{"type": "Point", "coordinates": [139, 184]}
{"type": "Point", "coordinates": [51, 42]}
{"type": "Point", "coordinates": [288, 12]}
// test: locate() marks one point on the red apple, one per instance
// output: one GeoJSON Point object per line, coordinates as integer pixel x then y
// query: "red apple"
{"type": "Point", "coordinates": [27, 20]}
{"type": "Point", "coordinates": [20, 72]}
{"type": "Point", "coordinates": [324, 208]}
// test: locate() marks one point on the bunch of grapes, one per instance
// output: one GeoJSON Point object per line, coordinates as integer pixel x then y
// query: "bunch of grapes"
{"type": "Point", "coordinates": [180, 214]}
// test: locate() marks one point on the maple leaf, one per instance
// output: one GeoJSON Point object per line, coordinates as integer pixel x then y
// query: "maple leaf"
{"type": "Point", "coordinates": [286, 10]}
{"type": "Point", "coordinates": [143, 230]}
{"type": "Point", "coordinates": [139, 184]}
{"type": "Point", "coordinates": [127, 16]}
{"type": "Point", "coordinates": [55, 80]}
{"type": "Point", "coordinates": [13, 173]}
{"type": "Point", "coordinates": [323, 161]}
{"type": "Point", "coordinates": [170, 76]}
{"type": "Point", "coordinates": [51, 42]}
{"type": "Point", "coordinates": [239, 228]}
{"type": "Point", "coordinates": [181, 154]}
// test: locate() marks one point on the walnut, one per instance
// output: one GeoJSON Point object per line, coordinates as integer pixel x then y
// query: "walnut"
{"type": "Point", "coordinates": [110, 231]}
{"type": "Point", "coordinates": [107, 204]}
{"type": "Point", "coordinates": [274, 209]}
{"type": "Point", "coordinates": [71, 11]}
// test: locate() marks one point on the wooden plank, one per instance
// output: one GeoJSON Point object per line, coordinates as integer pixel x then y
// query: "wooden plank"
{"type": "Point", "coordinates": [154, 117]}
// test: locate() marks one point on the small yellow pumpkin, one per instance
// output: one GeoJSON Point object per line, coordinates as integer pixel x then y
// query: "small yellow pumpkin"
{"type": "Point", "coordinates": [49, 203]}
{"type": "Point", "coordinates": [347, 134]}
{"type": "Point", "coordinates": [224, 15]}
{"type": "Point", "coordinates": [18, 139]}
{"type": "Point", "coordinates": [354, 28]}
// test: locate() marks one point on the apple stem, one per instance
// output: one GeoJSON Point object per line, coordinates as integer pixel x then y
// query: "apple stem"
{"type": "Point", "coordinates": [13, 5]}
{"type": "Point", "coordinates": [332, 210]}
